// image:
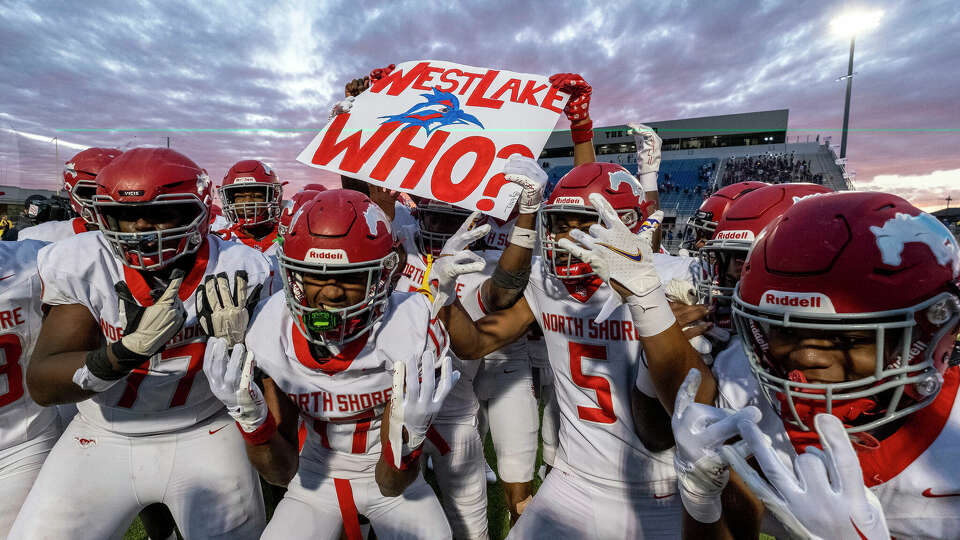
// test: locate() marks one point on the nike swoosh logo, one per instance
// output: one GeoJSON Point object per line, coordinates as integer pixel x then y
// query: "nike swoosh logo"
{"type": "Point", "coordinates": [664, 496]}
{"type": "Point", "coordinates": [929, 493]}
{"type": "Point", "coordinates": [632, 256]}
{"type": "Point", "coordinates": [212, 431]}
{"type": "Point", "coordinates": [509, 370]}
{"type": "Point", "coordinates": [857, 529]}
{"type": "Point", "coordinates": [5, 277]}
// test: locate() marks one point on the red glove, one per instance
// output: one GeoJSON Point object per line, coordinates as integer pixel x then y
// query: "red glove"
{"type": "Point", "coordinates": [578, 107]}
{"type": "Point", "coordinates": [380, 73]}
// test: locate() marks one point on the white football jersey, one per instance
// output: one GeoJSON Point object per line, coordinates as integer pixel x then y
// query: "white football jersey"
{"type": "Point", "coordinates": [219, 223]}
{"type": "Point", "coordinates": [270, 247]}
{"type": "Point", "coordinates": [342, 399]}
{"type": "Point", "coordinates": [595, 367]}
{"type": "Point", "coordinates": [670, 267]}
{"type": "Point", "coordinates": [21, 419]}
{"type": "Point", "coordinates": [499, 236]}
{"type": "Point", "coordinates": [911, 472]}
{"type": "Point", "coordinates": [53, 231]}
{"type": "Point", "coordinates": [461, 406]}
{"type": "Point", "coordinates": [169, 392]}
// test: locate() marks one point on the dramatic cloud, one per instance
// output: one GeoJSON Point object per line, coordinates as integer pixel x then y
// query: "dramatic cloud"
{"type": "Point", "coordinates": [227, 81]}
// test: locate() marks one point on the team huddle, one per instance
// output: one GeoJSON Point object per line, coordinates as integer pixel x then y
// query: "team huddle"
{"type": "Point", "coordinates": [791, 373]}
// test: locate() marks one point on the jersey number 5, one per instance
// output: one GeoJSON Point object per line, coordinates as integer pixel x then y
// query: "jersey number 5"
{"type": "Point", "coordinates": [10, 370]}
{"type": "Point", "coordinates": [604, 414]}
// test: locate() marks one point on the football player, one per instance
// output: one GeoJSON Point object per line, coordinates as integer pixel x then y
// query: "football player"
{"type": "Point", "coordinates": [617, 475]}
{"type": "Point", "coordinates": [334, 346]}
{"type": "Point", "coordinates": [701, 226]}
{"type": "Point", "coordinates": [27, 430]}
{"type": "Point", "coordinates": [723, 255]}
{"type": "Point", "coordinates": [848, 306]}
{"type": "Point", "coordinates": [122, 339]}
{"type": "Point", "coordinates": [79, 181]}
{"type": "Point", "coordinates": [454, 444]}
{"type": "Point", "coordinates": [251, 195]}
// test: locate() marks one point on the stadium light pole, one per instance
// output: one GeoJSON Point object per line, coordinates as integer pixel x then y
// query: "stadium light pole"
{"type": "Point", "coordinates": [851, 23]}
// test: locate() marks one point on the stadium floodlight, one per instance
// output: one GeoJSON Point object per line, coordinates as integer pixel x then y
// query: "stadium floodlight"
{"type": "Point", "coordinates": [857, 21]}
{"type": "Point", "coordinates": [850, 23]}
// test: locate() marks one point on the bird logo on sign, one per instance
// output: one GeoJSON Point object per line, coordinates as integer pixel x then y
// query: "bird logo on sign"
{"type": "Point", "coordinates": [439, 109]}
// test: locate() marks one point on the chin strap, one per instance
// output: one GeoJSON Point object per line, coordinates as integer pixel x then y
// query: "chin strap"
{"type": "Point", "coordinates": [425, 282]}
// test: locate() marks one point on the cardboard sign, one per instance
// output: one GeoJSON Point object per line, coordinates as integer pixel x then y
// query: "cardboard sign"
{"type": "Point", "coordinates": [443, 131]}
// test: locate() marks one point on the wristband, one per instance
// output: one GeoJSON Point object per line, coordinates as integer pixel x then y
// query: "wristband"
{"type": "Point", "coordinates": [703, 508]}
{"type": "Point", "coordinates": [407, 460]}
{"type": "Point", "coordinates": [90, 382]}
{"type": "Point", "coordinates": [99, 366]}
{"type": "Point", "coordinates": [582, 133]}
{"type": "Point", "coordinates": [126, 358]}
{"type": "Point", "coordinates": [648, 180]}
{"type": "Point", "coordinates": [651, 313]}
{"type": "Point", "coordinates": [524, 238]}
{"type": "Point", "coordinates": [262, 434]}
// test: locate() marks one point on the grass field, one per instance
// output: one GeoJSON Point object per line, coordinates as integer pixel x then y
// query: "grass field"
{"type": "Point", "coordinates": [497, 515]}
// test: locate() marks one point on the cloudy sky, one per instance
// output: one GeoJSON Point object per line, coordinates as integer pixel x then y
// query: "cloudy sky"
{"type": "Point", "coordinates": [227, 82]}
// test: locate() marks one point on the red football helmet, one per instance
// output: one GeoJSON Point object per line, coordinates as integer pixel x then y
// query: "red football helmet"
{"type": "Point", "coordinates": [736, 231]}
{"type": "Point", "coordinates": [79, 179]}
{"type": "Point", "coordinates": [246, 175]}
{"type": "Point", "coordinates": [858, 269]}
{"type": "Point", "coordinates": [338, 232]}
{"type": "Point", "coordinates": [438, 221]}
{"type": "Point", "coordinates": [570, 196]}
{"type": "Point", "coordinates": [161, 181]}
{"type": "Point", "coordinates": [703, 224]}
{"type": "Point", "coordinates": [290, 207]}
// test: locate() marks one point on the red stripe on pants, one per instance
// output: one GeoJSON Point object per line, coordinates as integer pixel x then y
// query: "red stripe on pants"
{"type": "Point", "coordinates": [437, 439]}
{"type": "Point", "coordinates": [348, 509]}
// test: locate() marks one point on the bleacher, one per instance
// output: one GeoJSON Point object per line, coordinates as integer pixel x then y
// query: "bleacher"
{"type": "Point", "coordinates": [684, 173]}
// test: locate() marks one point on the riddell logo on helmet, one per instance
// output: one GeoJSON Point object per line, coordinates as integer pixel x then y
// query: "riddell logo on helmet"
{"type": "Point", "coordinates": [326, 255]}
{"type": "Point", "coordinates": [734, 235]}
{"type": "Point", "coordinates": [796, 301]}
{"type": "Point", "coordinates": [244, 180]}
{"type": "Point", "coordinates": [568, 200]}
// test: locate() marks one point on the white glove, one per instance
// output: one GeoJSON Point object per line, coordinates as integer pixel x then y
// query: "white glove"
{"type": "Point", "coordinates": [824, 496]}
{"type": "Point", "coordinates": [531, 177]}
{"type": "Point", "coordinates": [224, 314]}
{"type": "Point", "coordinates": [454, 260]}
{"type": "Point", "coordinates": [417, 398]}
{"type": "Point", "coordinates": [615, 253]}
{"type": "Point", "coordinates": [342, 107]}
{"type": "Point", "coordinates": [648, 155]}
{"type": "Point", "coordinates": [444, 274]}
{"type": "Point", "coordinates": [231, 379]}
{"type": "Point", "coordinates": [699, 431]}
{"type": "Point", "coordinates": [149, 328]}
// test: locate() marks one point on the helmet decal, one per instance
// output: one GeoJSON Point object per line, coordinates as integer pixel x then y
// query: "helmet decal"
{"type": "Point", "coordinates": [799, 198]}
{"type": "Point", "coordinates": [624, 177]}
{"type": "Point", "coordinates": [924, 228]}
{"type": "Point", "coordinates": [373, 214]}
{"type": "Point", "coordinates": [797, 302]}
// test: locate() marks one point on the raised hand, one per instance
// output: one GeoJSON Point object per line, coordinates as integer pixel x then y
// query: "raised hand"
{"type": "Point", "coordinates": [823, 496]}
